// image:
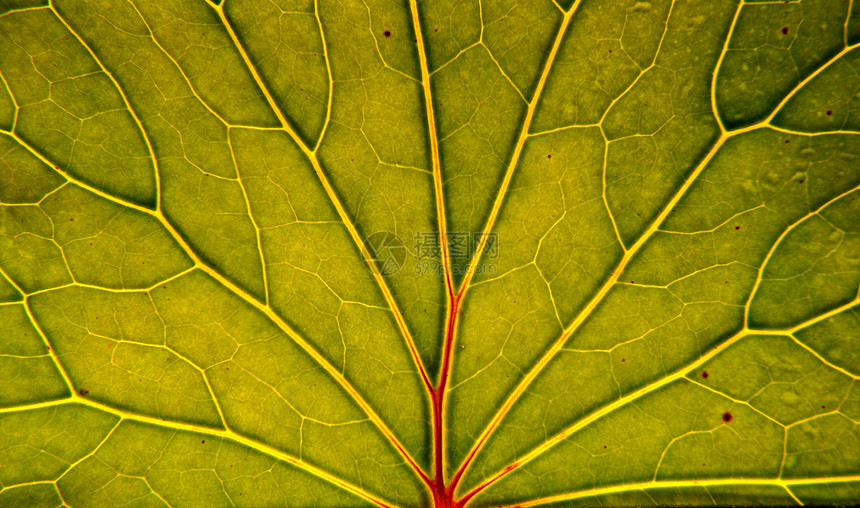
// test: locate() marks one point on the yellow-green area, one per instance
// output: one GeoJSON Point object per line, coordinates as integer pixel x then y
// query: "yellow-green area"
{"type": "Point", "coordinates": [192, 312]}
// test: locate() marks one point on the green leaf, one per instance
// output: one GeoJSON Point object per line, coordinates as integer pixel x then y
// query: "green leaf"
{"type": "Point", "coordinates": [451, 253]}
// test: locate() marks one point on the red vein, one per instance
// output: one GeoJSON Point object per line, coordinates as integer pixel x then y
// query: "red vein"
{"type": "Point", "coordinates": [524, 134]}
{"type": "Point", "coordinates": [442, 495]}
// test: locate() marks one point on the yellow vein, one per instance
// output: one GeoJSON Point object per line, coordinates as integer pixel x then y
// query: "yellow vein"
{"type": "Point", "coordinates": [675, 484]}
{"type": "Point", "coordinates": [181, 357]}
{"type": "Point", "coordinates": [156, 494]}
{"type": "Point", "coordinates": [776, 245]}
{"type": "Point", "coordinates": [639, 76]}
{"type": "Point", "coordinates": [718, 65]}
{"type": "Point", "coordinates": [603, 195]}
{"type": "Point", "coordinates": [693, 366]}
{"type": "Point", "coordinates": [325, 364]}
{"type": "Point", "coordinates": [23, 9]}
{"type": "Point", "coordinates": [438, 183]}
{"type": "Point", "coordinates": [312, 157]}
{"type": "Point", "coordinates": [628, 255]}
{"type": "Point", "coordinates": [220, 433]}
{"type": "Point", "coordinates": [251, 216]}
{"type": "Point", "coordinates": [125, 101]}
{"type": "Point", "coordinates": [638, 394]}
{"type": "Point", "coordinates": [820, 358]}
{"type": "Point", "coordinates": [330, 79]}
{"type": "Point", "coordinates": [93, 452]}
{"type": "Point", "coordinates": [14, 101]}
{"type": "Point", "coordinates": [518, 148]}
{"type": "Point", "coordinates": [54, 358]}
{"type": "Point", "coordinates": [191, 86]}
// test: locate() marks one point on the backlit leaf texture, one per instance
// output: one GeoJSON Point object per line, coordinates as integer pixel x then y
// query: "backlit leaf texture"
{"type": "Point", "coordinates": [643, 290]}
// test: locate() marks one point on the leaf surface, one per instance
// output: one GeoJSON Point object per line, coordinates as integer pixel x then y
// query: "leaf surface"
{"type": "Point", "coordinates": [315, 253]}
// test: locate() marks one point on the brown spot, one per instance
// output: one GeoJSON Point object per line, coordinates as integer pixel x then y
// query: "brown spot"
{"type": "Point", "coordinates": [203, 442]}
{"type": "Point", "coordinates": [604, 447]}
{"type": "Point", "coordinates": [727, 417]}
{"type": "Point", "coordinates": [610, 51]}
{"type": "Point", "coordinates": [829, 112]}
{"type": "Point", "coordinates": [624, 360]}
{"type": "Point", "coordinates": [387, 33]}
{"type": "Point", "coordinates": [800, 181]}
{"type": "Point", "coordinates": [705, 374]}
{"type": "Point", "coordinates": [787, 141]}
{"type": "Point", "coordinates": [785, 30]}
{"type": "Point", "coordinates": [737, 228]}
{"type": "Point", "coordinates": [549, 156]}
{"type": "Point", "coordinates": [823, 407]}
{"type": "Point", "coordinates": [83, 392]}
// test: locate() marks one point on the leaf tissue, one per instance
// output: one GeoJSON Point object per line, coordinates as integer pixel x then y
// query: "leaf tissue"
{"type": "Point", "coordinates": [447, 253]}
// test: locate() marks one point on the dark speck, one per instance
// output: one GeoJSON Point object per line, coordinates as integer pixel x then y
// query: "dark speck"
{"type": "Point", "coordinates": [737, 228]}
{"type": "Point", "coordinates": [785, 30]}
{"type": "Point", "coordinates": [705, 374]}
{"type": "Point", "coordinates": [727, 417]}
{"type": "Point", "coordinates": [83, 392]}
{"type": "Point", "coordinates": [387, 33]}
{"type": "Point", "coordinates": [829, 112]}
